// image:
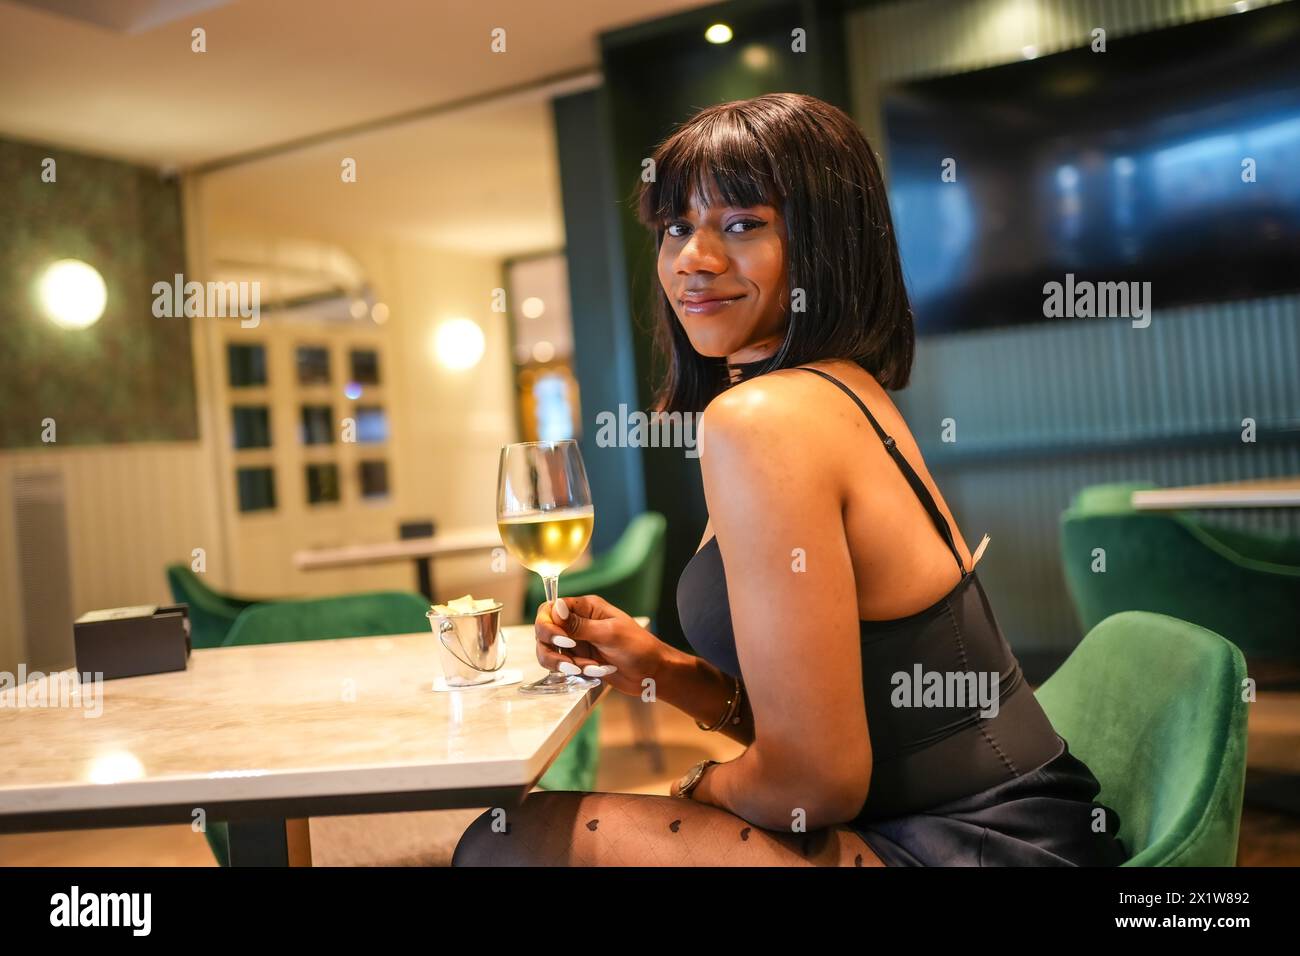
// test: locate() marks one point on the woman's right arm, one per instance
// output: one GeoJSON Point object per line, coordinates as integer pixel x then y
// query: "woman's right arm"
{"type": "Point", "coordinates": [598, 639]}
{"type": "Point", "coordinates": [700, 690]}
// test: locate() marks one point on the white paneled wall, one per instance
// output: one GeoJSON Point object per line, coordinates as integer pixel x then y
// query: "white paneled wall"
{"type": "Point", "coordinates": [131, 510]}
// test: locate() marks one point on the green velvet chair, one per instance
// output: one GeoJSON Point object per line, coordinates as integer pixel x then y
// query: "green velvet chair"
{"type": "Point", "coordinates": [1153, 705]}
{"type": "Point", "coordinates": [351, 615]}
{"type": "Point", "coordinates": [1240, 584]}
{"type": "Point", "coordinates": [354, 615]}
{"type": "Point", "coordinates": [212, 613]}
{"type": "Point", "coordinates": [629, 576]}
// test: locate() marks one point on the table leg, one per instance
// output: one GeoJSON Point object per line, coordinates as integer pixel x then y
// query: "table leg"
{"type": "Point", "coordinates": [270, 842]}
{"type": "Point", "coordinates": [424, 572]}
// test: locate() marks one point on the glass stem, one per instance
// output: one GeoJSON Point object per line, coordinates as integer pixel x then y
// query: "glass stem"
{"type": "Point", "coordinates": [552, 585]}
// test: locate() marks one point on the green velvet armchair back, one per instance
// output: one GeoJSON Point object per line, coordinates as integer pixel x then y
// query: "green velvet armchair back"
{"type": "Point", "coordinates": [212, 613]}
{"type": "Point", "coordinates": [1240, 584]}
{"type": "Point", "coordinates": [1156, 708]}
{"type": "Point", "coordinates": [352, 615]}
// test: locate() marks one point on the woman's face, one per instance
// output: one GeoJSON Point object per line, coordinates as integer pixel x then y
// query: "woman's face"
{"type": "Point", "coordinates": [724, 271]}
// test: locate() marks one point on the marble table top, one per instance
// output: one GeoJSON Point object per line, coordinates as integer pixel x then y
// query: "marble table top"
{"type": "Point", "coordinates": [336, 726]}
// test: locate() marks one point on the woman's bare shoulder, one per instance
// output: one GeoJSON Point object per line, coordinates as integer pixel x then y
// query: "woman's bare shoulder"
{"type": "Point", "coordinates": [772, 432]}
{"type": "Point", "coordinates": [784, 399]}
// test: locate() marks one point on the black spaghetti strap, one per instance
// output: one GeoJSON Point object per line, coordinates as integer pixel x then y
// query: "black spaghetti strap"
{"type": "Point", "coordinates": [913, 479]}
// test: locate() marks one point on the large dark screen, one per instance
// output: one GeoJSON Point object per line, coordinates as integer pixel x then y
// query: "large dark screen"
{"type": "Point", "coordinates": [1122, 166]}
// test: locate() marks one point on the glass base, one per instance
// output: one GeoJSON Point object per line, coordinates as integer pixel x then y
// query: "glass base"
{"type": "Point", "coordinates": [557, 683]}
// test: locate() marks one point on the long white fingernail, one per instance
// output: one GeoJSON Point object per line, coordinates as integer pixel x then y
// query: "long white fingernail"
{"type": "Point", "coordinates": [599, 670]}
{"type": "Point", "coordinates": [570, 669]}
{"type": "Point", "coordinates": [561, 609]}
{"type": "Point", "coordinates": [559, 640]}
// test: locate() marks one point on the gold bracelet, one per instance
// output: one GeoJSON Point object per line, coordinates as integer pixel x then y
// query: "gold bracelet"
{"type": "Point", "coordinates": [732, 712]}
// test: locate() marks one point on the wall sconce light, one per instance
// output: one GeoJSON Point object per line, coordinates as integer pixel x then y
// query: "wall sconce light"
{"type": "Point", "coordinates": [458, 343]}
{"type": "Point", "coordinates": [72, 293]}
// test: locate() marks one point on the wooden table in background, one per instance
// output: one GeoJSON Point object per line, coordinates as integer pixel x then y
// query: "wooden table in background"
{"type": "Point", "coordinates": [420, 550]}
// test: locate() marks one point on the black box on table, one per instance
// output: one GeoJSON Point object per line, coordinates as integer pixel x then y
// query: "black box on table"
{"type": "Point", "coordinates": [131, 641]}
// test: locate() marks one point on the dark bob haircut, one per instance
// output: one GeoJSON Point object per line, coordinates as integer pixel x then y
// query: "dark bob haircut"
{"type": "Point", "coordinates": [810, 160]}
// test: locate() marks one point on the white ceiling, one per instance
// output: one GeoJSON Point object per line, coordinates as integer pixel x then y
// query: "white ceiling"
{"type": "Point", "coordinates": [274, 70]}
{"type": "Point", "coordinates": [482, 180]}
{"type": "Point", "coordinates": [128, 16]}
{"type": "Point", "coordinates": [479, 177]}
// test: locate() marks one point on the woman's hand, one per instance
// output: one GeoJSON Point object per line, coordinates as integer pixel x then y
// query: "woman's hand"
{"type": "Point", "coordinates": [591, 636]}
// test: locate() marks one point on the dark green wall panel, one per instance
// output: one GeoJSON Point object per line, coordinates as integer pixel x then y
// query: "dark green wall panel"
{"type": "Point", "coordinates": [658, 75]}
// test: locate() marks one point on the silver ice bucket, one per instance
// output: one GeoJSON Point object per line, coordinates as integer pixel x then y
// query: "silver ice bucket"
{"type": "Point", "coordinates": [471, 647]}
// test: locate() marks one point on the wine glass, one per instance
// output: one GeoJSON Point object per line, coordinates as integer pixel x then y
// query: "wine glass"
{"type": "Point", "coordinates": [545, 516]}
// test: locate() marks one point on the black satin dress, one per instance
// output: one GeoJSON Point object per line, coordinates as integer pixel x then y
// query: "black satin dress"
{"type": "Point", "coordinates": [949, 787]}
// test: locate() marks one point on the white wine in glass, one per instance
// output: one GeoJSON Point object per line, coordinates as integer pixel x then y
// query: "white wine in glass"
{"type": "Point", "coordinates": [545, 516]}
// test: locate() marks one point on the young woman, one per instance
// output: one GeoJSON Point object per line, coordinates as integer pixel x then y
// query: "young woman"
{"type": "Point", "coordinates": [832, 592]}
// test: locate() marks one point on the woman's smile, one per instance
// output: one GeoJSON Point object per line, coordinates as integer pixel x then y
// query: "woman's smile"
{"type": "Point", "coordinates": [707, 303]}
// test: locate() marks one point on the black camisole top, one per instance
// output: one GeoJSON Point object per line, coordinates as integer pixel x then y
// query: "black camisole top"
{"type": "Point", "coordinates": [922, 756]}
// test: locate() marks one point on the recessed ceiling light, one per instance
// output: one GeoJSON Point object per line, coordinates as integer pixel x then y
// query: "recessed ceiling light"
{"type": "Point", "coordinates": [718, 33]}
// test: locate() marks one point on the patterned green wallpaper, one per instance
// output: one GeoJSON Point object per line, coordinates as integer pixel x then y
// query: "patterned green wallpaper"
{"type": "Point", "coordinates": [130, 376]}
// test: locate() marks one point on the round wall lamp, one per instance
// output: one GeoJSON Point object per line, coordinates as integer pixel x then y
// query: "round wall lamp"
{"type": "Point", "coordinates": [72, 293]}
{"type": "Point", "coordinates": [458, 343]}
